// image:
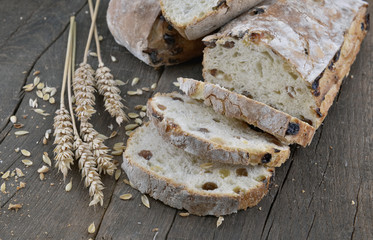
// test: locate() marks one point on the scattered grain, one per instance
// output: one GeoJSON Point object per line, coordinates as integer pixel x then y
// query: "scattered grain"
{"type": "Point", "coordinates": [25, 153]}
{"type": "Point", "coordinates": [3, 187]}
{"type": "Point", "coordinates": [155, 229]}
{"type": "Point", "coordinates": [132, 93]}
{"type": "Point", "coordinates": [40, 86]}
{"type": "Point", "coordinates": [142, 114]}
{"type": "Point", "coordinates": [13, 119]}
{"type": "Point", "coordinates": [146, 89]}
{"type": "Point", "coordinates": [36, 80]}
{"type": "Point", "coordinates": [45, 141]}
{"type": "Point", "coordinates": [43, 169]}
{"type": "Point", "coordinates": [138, 107]}
{"type": "Point", "coordinates": [93, 54]}
{"type": "Point", "coordinates": [131, 126]}
{"type": "Point", "coordinates": [16, 150]}
{"type": "Point", "coordinates": [53, 91]}
{"type": "Point", "coordinates": [128, 133]}
{"type": "Point", "coordinates": [14, 206]}
{"type": "Point", "coordinates": [133, 115]}
{"type": "Point", "coordinates": [113, 59]}
{"type": "Point", "coordinates": [220, 221]}
{"type": "Point", "coordinates": [353, 202]}
{"type": "Point", "coordinates": [92, 228]}
{"type": "Point", "coordinates": [120, 82]}
{"type": "Point", "coordinates": [113, 134]}
{"type": "Point", "coordinates": [69, 186]}
{"type": "Point", "coordinates": [46, 97]}
{"type": "Point", "coordinates": [18, 125]}
{"type": "Point", "coordinates": [117, 152]}
{"type": "Point", "coordinates": [100, 38]}
{"type": "Point", "coordinates": [117, 174]}
{"type": "Point", "coordinates": [41, 176]}
{"type": "Point", "coordinates": [153, 86]}
{"type": "Point", "coordinates": [52, 100]}
{"type": "Point", "coordinates": [144, 108]}
{"type": "Point", "coordinates": [27, 162]}
{"type": "Point", "coordinates": [126, 181]}
{"type": "Point", "coordinates": [37, 72]}
{"type": "Point", "coordinates": [135, 81]}
{"type": "Point", "coordinates": [29, 87]}
{"type": "Point", "coordinates": [5, 175]}
{"type": "Point", "coordinates": [21, 185]}
{"type": "Point", "coordinates": [176, 84]}
{"type": "Point", "coordinates": [19, 173]}
{"type": "Point", "coordinates": [126, 196]}
{"type": "Point", "coordinates": [184, 214]}
{"type": "Point", "coordinates": [139, 91]}
{"type": "Point", "coordinates": [145, 201]}
{"type": "Point", "coordinates": [21, 133]}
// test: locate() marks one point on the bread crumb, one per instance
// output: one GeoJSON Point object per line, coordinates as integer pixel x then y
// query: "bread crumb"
{"type": "Point", "coordinates": [352, 202]}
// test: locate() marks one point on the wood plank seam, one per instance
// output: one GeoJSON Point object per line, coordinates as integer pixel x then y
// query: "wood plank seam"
{"type": "Point", "coordinates": [357, 211]}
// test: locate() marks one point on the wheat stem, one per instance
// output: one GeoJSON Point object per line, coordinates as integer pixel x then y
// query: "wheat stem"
{"type": "Point", "coordinates": [67, 62]}
{"type": "Point", "coordinates": [70, 73]}
{"type": "Point", "coordinates": [91, 31]}
{"type": "Point", "coordinates": [98, 48]}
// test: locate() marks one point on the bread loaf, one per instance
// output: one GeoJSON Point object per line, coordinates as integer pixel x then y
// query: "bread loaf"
{"type": "Point", "coordinates": [281, 125]}
{"type": "Point", "coordinates": [194, 18]}
{"type": "Point", "coordinates": [184, 181]}
{"type": "Point", "coordinates": [139, 26]}
{"type": "Point", "coordinates": [289, 54]}
{"type": "Point", "coordinates": [196, 128]}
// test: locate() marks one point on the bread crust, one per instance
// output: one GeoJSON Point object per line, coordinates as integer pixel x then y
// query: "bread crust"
{"type": "Point", "coordinates": [320, 42]}
{"type": "Point", "coordinates": [197, 146]}
{"type": "Point", "coordinates": [140, 27]}
{"type": "Point", "coordinates": [179, 196]}
{"type": "Point", "coordinates": [225, 11]}
{"type": "Point", "coordinates": [260, 115]}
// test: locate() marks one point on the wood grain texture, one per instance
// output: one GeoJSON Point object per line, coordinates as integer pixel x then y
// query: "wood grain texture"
{"type": "Point", "coordinates": [324, 191]}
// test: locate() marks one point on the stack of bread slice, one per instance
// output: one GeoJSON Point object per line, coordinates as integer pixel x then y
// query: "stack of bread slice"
{"type": "Point", "coordinates": [271, 76]}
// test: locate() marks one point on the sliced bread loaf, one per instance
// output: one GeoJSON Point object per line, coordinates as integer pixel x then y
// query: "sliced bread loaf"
{"type": "Point", "coordinates": [199, 130]}
{"type": "Point", "coordinates": [184, 181]}
{"type": "Point", "coordinates": [283, 126]}
{"type": "Point", "coordinates": [140, 27]}
{"type": "Point", "coordinates": [194, 18]}
{"type": "Point", "coordinates": [290, 54]}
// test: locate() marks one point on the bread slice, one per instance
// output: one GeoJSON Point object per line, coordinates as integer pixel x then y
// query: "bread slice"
{"type": "Point", "coordinates": [291, 54]}
{"type": "Point", "coordinates": [281, 125]}
{"type": "Point", "coordinates": [140, 27]}
{"type": "Point", "coordinates": [184, 181]}
{"type": "Point", "coordinates": [194, 18]}
{"type": "Point", "coordinates": [196, 128]}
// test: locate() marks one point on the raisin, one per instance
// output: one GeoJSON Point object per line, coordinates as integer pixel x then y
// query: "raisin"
{"type": "Point", "coordinates": [242, 172]}
{"type": "Point", "coordinates": [154, 57]}
{"type": "Point", "coordinates": [210, 44]}
{"type": "Point", "coordinates": [266, 158]}
{"type": "Point", "coordinates": [204, 130]}
{"type": "Point", "coordinates": [306, 120]}
{"type": "Point", "coordinates": [276, 150]}
{"type": "Point", "coordinates": [293, 129]}
{"type": "Point", "coordinates": [213, 72]}
{"type": "Point", "coordinates": [315, 84]}
{"type": "Point", "coordinates": [319, 114]}
{"type": "Point", "coordinates": [160, 118]}
{"type": "Point", "coordinates": [337, 55]}
{"type": "Point", "coordinates": [256, 129]}
{"type": "Point", "coordinates": [220, 3]}
{"type": "Point", "coordinates": [177, 99]}
{"type": "Point", "coordinates": [331, 65]}
{"type": "Point", "coordinates": [162, 107]}
{"type": "Point", "coordinates": [362, 26]}
{"type": "Point", "coordinates": [258, 10]}
{"type": "Point", "coordinates": [162, 18]}
{"type": "Point", "coordinates": [367, 22]}
{"type": "Point", "coordinates": [146, 154]}
{"type": "Point", "coordinates": [209, 186]}
{"type": "Point", "coordinates": [256, 37]}
{"type": "Point", "coordinates": [247, 94]}
{"type": "Point", "coordinates": [216, 120]}
{"type": "Point", "coordinates": [170, 27]}
{"type": "Point", "coordinates": [306, 51]}
{"type": "Point", "coordinates": [228, 44]}
{"type": "Point", "coordinates": [169, 39]}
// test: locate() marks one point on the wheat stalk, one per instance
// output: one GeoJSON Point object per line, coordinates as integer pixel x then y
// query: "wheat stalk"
{"type": "Point", "coordinates": [106, 84]}
{"type": "Point", "coordinates": [63, 129]}
{"type": "Point", "coordinates": [83, 153]}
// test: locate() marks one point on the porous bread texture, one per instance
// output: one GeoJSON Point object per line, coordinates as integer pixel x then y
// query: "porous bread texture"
{"type": "Point", "coordinates": [140, 27]}
{"type": "Point", "coordinates": [197, 18]}
{"type": "Point", "coordinates": [185, 181]}
{"type": "Point", "coordinates": [281, 125]}
{"type": "Point", "coordinates": [291, 54]}
{"type": "Point", "coordinates": [196, 128]}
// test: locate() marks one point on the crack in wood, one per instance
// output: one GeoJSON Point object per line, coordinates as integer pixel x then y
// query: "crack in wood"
{"type": "Point", "coordinates": [309, 230]}
{"type": "Point", "coordinates": [172, 223]}
{"type": "Point", "coordinates": [357, 210]}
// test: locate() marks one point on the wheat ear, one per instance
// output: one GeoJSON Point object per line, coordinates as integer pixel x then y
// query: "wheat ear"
{"type": "Point", "coordinates": [83, 153]}
{"type": "Point", "coordinates": [63, 129]}
{"type": "Point", "coordinates": [107, 86]}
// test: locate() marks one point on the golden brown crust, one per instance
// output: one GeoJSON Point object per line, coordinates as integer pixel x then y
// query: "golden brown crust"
{"type": "Point", "coordinates": [255, 113]}
{"type": "Point", "coordinates": [140, 27]}
{"type": "Point", "coordinates": [195, 145]}
{"type": "Point", "coordinates": [179, 196]}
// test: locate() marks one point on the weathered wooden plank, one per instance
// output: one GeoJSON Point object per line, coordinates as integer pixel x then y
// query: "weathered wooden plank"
{"type": "Point", "coordinates": [19, 51]}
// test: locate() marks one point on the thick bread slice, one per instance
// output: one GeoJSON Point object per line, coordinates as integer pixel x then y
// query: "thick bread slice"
{"type": "Point", "coordinates": [194, 18]}
{"type": "Point", "coordinates": [181, 180]}
{"type": "Point", "coordinates": [140, 27]}
{"type": "Point", "coordinates": [290, 54]}
{"type": "Point", "coordinates": [196, 128]}
{"type": "Point", "coordinates": [283, 126]}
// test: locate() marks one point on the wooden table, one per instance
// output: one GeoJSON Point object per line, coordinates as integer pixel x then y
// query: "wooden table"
{"type": "Point", "coordinates": [324, 191]}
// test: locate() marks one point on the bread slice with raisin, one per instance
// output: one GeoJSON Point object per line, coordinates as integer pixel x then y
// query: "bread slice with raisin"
{"type": "Point", "coordinates": [281, 125]}
{"type": "Point", "coordinates": [184, 181]}
{"type": "Point", "coordinates": [290, 54]}
{"type": "Point", "coordinates": [194, 18]}
{"type": "Point", "coordinates": [199, 130]}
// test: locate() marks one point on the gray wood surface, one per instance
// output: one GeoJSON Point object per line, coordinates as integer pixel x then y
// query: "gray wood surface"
{"type": "Point", "coordinates": [324, 191]}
